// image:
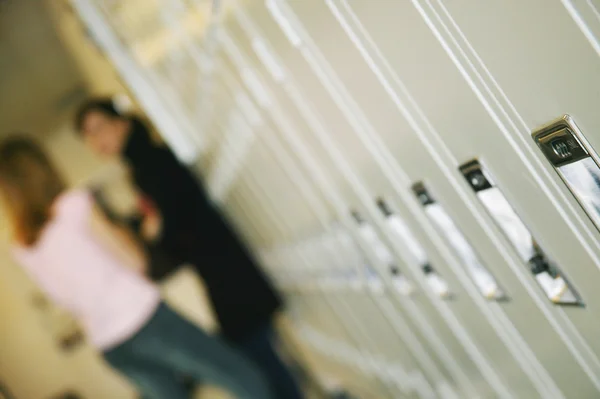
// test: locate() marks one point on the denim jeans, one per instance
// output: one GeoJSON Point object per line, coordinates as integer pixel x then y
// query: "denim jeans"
{"type": "Point", "coordinates": [261, 346]}
{"type": "Point", "coordinates": [169, 346]}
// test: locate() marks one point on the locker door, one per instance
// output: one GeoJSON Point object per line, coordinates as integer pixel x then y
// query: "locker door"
{"type": "Point", "coordinates": [558, 90]}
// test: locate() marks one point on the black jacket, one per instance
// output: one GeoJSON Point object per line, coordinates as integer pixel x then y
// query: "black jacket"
{"type": "Point", "coordinates": [195, 232]}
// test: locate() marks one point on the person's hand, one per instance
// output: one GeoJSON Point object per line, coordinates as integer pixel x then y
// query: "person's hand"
{"type": "Point", "coordinates": [151, 226]}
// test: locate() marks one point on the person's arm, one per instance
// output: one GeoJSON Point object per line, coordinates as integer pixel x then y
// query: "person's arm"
{"type": "Point", "coordinates": [119, 241]}
{"type": "Point", "coordinates": [133, 221]}
{"type": "Point", "coordinates": [173, 190]}
{"type": "Point", "coordinates": [151, 223]}
{"type": "Point", "coordinates": [103, 205]}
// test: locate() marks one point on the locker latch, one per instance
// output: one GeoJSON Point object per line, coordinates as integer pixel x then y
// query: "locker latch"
{"type": "Point", "coordinates": [547, 274]}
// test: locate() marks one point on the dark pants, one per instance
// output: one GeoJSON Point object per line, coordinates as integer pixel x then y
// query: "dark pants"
{"type": "Point", "coordinates": [258, 344]}
{"type": "Point", "coordinates": [169, 346]}
{"type": "Point", "coordinates": [261, 346]}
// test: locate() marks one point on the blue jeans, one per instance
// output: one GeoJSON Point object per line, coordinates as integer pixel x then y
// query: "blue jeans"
{"type": "Point", "coordinates": [169, 346]}
{"type": "Point", "coordinates": [260, 346]}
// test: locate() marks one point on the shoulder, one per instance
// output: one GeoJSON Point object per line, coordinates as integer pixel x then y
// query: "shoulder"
{"type": "Point", "coordinates": [19, 252]}
{"type": "Point", "coordinates": [74, 198]}
{"type": "Point", "coordinates": [75, 203]}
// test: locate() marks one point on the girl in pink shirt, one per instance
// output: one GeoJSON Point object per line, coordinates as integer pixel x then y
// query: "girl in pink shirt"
{"type": "Point", "coordinates": [93, 269]}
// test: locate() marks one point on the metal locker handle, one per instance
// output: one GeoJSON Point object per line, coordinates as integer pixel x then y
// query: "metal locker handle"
{"type": "Point", "coordinates": [547, 274]}
{"type": "Point", "coordinates": [483, 278]}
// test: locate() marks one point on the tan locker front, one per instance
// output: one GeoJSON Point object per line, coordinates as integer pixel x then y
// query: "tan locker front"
{"type": "Point", "coordinates": [513, 164]}
{"type": "Point", "coordinates": [533, 99]}
{"type": "Point", "coordinates": [353, 64]}
{"type": "Point", "coordinates": [373, 199]}
{"type": "Point", "coordinates": [284, 212]}
{"type": "Point", "coordinates": [441, 327]}
{"type": "Point", "coordinates": [454, 367]}
{"type": "Point", "coordinates": [458, 145]}
{"type": "Point", "coordinates": [372, 331]}
{"type": "Point", "coordinates": [318, 173]}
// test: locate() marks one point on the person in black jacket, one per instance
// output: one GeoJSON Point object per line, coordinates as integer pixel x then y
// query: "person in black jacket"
{"type": "Point", "coordinates": [192, 231]}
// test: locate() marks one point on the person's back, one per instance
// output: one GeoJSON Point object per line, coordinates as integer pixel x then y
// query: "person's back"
{"type": "Point", "coordinates": [111, 300]}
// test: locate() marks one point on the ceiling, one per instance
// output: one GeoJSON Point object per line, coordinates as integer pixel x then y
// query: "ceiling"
{"type": "Point", "coordinates": [39, 82]}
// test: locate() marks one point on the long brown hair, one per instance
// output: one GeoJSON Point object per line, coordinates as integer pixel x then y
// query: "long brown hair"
{"type": "Point", "coordinates": [29, 184]}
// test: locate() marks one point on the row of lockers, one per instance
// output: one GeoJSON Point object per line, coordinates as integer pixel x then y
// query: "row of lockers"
{"type": "Point", "coordinates": [364, 151]}
{"type": "Point", "coordinates": [419, 176]}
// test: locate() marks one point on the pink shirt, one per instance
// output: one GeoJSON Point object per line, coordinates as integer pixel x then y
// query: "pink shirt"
{"type": "Point", "coordinates": [111, 301]}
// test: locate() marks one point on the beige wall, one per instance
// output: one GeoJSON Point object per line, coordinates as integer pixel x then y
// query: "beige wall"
{"type": "Point", "coordinates": [96, 70]}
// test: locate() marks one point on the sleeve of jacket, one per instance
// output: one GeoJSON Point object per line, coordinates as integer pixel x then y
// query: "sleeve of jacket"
{"type": "Point", "coordinates": [173, 191]}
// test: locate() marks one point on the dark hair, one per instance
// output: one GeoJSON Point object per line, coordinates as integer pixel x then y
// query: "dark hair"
{"type": "Point", "coordinates": [102, 105]}
{"type": "Point", "coordinates": [29, 183]}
